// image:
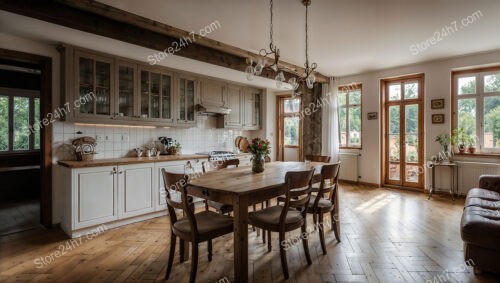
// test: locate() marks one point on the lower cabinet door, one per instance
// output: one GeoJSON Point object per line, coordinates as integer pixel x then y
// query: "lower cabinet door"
{"type": "Point", "coordinates": [161, 197]}
{"type": "Point", "coordinates": [94, 196]}
{"type": "Point", "coordinates": [135, 189]}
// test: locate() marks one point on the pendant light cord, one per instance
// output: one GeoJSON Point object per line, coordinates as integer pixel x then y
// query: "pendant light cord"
{"type": "Point", "coordinates": [271, 26]}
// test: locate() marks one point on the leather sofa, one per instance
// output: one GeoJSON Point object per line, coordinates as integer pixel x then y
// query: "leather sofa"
{"type": "Point", "coordinates": [480, 225]}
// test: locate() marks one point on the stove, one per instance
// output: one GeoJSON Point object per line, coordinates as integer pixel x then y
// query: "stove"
{"type": "Point", "coordinates": [216, 155]}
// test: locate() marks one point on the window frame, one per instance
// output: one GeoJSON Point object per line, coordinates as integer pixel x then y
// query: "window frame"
{"type": "Point", "coordinates": [479, 97]}
{"type": "Point", "coordinates": [31, 94]}
{"type": "Point", "coordinates": [347, 106]}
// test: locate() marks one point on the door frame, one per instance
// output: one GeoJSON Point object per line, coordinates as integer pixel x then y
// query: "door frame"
{"type": "Point", "coordinates": [45, 64]}
{"type": "Point", "coordinates": [279, 109]}
{"type": "Point", "coordinates": [420, 77]}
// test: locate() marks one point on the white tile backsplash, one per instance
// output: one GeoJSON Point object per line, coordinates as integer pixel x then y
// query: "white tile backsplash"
{"type": "Point", "coordinates": [204, 137]}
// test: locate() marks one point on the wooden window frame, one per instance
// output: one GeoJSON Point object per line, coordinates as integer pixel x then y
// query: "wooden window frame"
{"type": "Point", "coordinates": [479, 96]}
{"type": "Point", "coordinates": [10, 93]}
{"type": "Point", "coordinates": [352, 87]}
{"type": "Point", "coordinates": [279, 113]}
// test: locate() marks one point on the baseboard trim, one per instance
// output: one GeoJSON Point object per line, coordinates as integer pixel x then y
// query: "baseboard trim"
{"type": "Point", "coordinates": [359, 183]}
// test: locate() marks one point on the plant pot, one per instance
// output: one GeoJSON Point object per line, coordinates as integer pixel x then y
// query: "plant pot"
{"type": "Point", "coordinates": [173, 151]}
{"type": "Point", "coordinates": [461, 148]}
{"type": "Point", "coordinates": [472, 150]}
{"type": "Point", "coordinates": [258, 163]}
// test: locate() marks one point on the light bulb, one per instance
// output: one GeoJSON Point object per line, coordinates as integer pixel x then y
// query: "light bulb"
{"type": "Point", "coordinates": [259, 67]}
{"type": "Point", "coordinates": [293, 82]}
{"type": "Point", "coordinates": [274, 67]}
{"type": "Point", "coordinates": [280, 78]}
{"type": "Point", "coordinates": [250, 72]}
{"type": "Point", "coordinates": [310, 81]}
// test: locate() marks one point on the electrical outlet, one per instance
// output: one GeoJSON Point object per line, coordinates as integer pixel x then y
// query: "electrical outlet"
{"type": "Point", "coordinates": [124, 137]}
{"type": "Point", "coordinates": [99, 138]}
{"type": "Point", "coordinates": [108, 137]}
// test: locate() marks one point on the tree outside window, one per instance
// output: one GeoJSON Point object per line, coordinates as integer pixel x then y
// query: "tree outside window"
{"type": "Point", "coordinates": [349, 99]}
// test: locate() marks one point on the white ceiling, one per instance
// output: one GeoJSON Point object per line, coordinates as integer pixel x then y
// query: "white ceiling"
{"type": "Point", "coordinates": [346, 36]}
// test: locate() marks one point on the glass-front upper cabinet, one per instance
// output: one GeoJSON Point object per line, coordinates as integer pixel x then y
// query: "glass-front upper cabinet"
{"type": "Point", "coordinates": [126, 86]}
{"type": "Point", "coordinates": [93, 82]}
{"type": "Point", "coordinates": [187, 91]}
{"type": "Point", "coordinates": [156, 99]}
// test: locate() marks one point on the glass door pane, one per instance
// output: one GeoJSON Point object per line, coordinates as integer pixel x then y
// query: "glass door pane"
{"type": "Point", "coordinates": [492, 122]}
{"type": "Point", "coordinates": [166, 103]}
{"type": "Point", "coordinates": [395, 92]}
{"type": "Point", "coordinates": [411, 143]}
{"type": "Point", "coordinates": [155, 95]}
{"type": "Point", "coordinates": [36, 120]}
{"type": "Point", "coordinates": [182, 99]}
{"type": "Point", "coordinates": [86, 83]}
{"type": "Point", "coordinates": [190, 100]}
{"type": "Point", "coordinates": [394, 143]}
{"type": "Point", "coordinates": [144, 94]}
{"type": "Point", "coordinates": [102, 88]}
{"type": "Point", "coordinates": [126, 91]}
{"type": "Point", "coordinates": [4, 123]}
{"type": "Point", "coordinates": [411, 90]}
{"type": "Point", "coordinates": [21, 123]}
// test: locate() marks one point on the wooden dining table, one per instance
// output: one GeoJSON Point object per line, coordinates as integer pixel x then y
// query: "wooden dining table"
{"type": "Point", "coordinates": [240, 187]}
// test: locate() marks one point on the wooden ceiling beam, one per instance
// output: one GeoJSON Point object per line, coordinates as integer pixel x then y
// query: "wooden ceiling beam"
{"type": "Point", "coordinates": [104, 20]}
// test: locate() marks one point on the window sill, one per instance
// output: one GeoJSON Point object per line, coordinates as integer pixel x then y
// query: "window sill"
{"type": "Point", "coordinates": [350, 147]}
{"type": "Point", "coordinates": [471, 155]}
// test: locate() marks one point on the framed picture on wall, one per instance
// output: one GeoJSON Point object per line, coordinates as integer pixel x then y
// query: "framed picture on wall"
{"type": "Point", "coordinates": [437, 104]}
{"type": "Point", "coordinates": [437, 118]}
{"type": "Point", "coordinates": [372, 115]}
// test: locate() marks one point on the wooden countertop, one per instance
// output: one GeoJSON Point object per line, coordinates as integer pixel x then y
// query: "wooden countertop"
{"type": "Point", "coordinates": [127, 160]}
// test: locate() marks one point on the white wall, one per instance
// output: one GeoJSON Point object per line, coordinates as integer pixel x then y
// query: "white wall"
{"type": "Point", "coordinates": [437, 85]}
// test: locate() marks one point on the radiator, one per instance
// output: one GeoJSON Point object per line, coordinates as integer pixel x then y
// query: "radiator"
{"type": "Point", "coordinates": [349, 166]}
{"type": "Point", "coordinates": [469, 172]}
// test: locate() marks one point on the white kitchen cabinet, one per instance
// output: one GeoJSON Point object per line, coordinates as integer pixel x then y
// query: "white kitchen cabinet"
{"type": "Point", "coordinates": [181, 167]}
{"type": "Point", "coordinates": [234, 99]}
{"type": "Point", "coordinates": [212, 93]}
{"type": "Point", "coordinates": [135, 189]}
{"type": "Point", "coordinates": [94, 196]}
{"type": "Point", "coordinates": [187, 93]}
{"type": "Point", "coordinates": [251, 109]}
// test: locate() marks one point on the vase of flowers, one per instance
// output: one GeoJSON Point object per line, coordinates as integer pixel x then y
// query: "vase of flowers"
{"type": "Point", "coordinates": [259, 149]}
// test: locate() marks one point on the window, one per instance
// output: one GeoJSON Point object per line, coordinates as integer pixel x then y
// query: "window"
{"type": "Point", "coordinates": [19, 109]}
{"type": "Point", "coordinates": [291, 121]}
{"type": "Point", "coordinates": [477, 107]}
{"type": "Point", "coordinates": [350, 115]}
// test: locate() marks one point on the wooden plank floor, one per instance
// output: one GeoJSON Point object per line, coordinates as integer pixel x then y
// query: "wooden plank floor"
{"type": "Point", "coordinates": [387, 236]}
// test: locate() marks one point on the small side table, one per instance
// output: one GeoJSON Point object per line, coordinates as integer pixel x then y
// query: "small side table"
{"type": "Point", "coordinates": [432, 173]}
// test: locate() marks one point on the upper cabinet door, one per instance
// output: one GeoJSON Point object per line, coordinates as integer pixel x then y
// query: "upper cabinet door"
{"type": "Point", "coordinates": [126, 89]}
{"type": "Point", "coordinates": [186, 95]}
{"type": "Point", "coordinates": [234, 102]}
{"type": "Point", "coordinates": [93, 85]}
{"type": "Point", "coordinates": [252, 109]}
{"type": "Point", "coordinates": [213, 93]}
{"type": "Point", "coordinates": [156, 99]}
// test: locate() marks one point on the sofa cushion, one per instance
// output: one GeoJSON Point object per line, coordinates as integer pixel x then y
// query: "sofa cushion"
{"type": "Point", "coordinates": [483, 194]}
{"type": "Point", "coordinates": [490, 182]}
{"type": "Point", "coordinates": [481, 226]}
{"type": "Point", "coordinates": [484, 203]}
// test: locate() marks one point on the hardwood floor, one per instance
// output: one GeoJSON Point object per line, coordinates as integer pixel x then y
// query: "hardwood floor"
{"type": "Point", "coordinates": [387, 236]}
{"type": "Point", "coordinates": [19, 216]}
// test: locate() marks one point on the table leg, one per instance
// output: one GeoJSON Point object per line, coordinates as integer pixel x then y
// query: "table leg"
{"type": "Point", "coordinates": [452, 183]}
{"type": "Point", "coordinates": [241, 239]}
{"type": "Point", "coordinates": [431, 181]}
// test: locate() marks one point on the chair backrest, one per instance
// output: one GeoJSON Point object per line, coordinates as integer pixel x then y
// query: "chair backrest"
{"type": "Point", "coordinates": [329, 182]}
{"type": "Point", "coordinates": [318, 158]}
{"type": "Point", "coordinates": [298, 191]}
{"type": "Point", "coordinates": [220, 164]}
{"type": "Point", "coordinates": [175, 182]}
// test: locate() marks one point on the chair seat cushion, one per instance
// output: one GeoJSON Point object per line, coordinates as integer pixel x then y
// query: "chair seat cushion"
{"type": "Point", "coordinates": [481, 226]}
{"type": "Point", "coordinates": [323, 205]}
{"type": "Point", "coordinates": [224, 208]}
{"type": "Point", "coordinates": [208, 222]}
{"type": "Point", "coordinates": [270, 217]}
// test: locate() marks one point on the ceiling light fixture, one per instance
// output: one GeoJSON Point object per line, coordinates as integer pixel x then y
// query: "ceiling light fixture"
{"type": "Point", "coordinates": [273, 53]}
{"type": "Point", "coordinates": [308, 75]}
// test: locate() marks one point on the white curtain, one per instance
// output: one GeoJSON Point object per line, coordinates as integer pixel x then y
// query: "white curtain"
{"type": "Point", "coordinates": [330, 127]}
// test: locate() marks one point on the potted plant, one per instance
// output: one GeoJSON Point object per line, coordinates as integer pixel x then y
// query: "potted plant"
{"type": "Point", "coordinates": [174, 149]}
{"type": "Point", "coordinates": [444, 140]}
{"type": "Point", "coordinates": [259, 149]}
{"type": "Point", "coordinates": [460, 139]}
{"type": "Point", "coordinates": [472, 145]}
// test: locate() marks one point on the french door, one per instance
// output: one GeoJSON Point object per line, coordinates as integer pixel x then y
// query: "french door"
{"type": "Point", "coordinates": [289, 129]}
{"type": "Point", "coordinates": [403, 132]}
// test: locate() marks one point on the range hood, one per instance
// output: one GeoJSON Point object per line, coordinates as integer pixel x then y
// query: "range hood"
{"type": "Point", "coordinates": [212, 110]}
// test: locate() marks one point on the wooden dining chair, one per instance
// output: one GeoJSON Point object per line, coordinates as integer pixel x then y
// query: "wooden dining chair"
{"type": "Point", "coordinates": [319, 205]}
{"type": "Point", "coordinates": [194, 227]}
{"type": "Point", "coordinates": [291, 216]}
{"type": "Point", "coordinates": [318, 158]}
{"type": "Point", "coordinates": [217, 165]}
